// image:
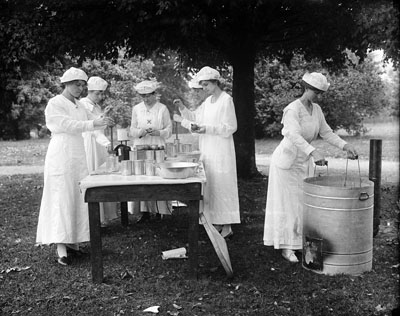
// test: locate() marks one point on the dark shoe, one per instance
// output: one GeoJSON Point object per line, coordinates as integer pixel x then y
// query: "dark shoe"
{"type": "Point", "coordinates": [76, 253]}
{"type": "Point", "coordinates": [145, 218]}
{"type": "Point", "coordinates": [65, 261]}
{"type": "Point", "coordinates": [158, 216]}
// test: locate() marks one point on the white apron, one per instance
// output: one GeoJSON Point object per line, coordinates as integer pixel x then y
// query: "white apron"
{"type": "Point", "coordinates": [221, 198]}
{"type": "Point", "coordinates": [63, 216]}
{"type": "Point", "coordinates": [290, 165]}
{"type": "Point", "coordinates": [157, 118]}
{"type": "Point", "coordinates": [96, 154]}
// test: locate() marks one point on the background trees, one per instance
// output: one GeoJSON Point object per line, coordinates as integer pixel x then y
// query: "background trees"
{"type": "Point", "coordinates": [217, 33]}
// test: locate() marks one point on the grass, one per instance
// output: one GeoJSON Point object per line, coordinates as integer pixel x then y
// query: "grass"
{"type": "Point", "coordinates": [136, 277]}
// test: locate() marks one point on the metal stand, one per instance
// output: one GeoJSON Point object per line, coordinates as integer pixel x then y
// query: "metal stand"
{"type": "Point", "coordinates": [375, 175]}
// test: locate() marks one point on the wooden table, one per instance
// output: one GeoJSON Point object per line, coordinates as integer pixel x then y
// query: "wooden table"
{"type": "Point", "coordinates": [117, 188]}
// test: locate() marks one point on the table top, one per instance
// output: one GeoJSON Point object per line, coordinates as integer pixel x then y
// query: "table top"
{"type": "Point", "coordinates": [102, 178]}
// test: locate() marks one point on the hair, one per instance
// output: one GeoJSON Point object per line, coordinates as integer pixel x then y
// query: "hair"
{"type": "Point", "coordinates": [214, 81]}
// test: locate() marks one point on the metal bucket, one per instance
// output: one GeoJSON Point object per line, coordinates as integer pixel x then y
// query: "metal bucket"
{"type": "Point", "coordinates": [338, 224]}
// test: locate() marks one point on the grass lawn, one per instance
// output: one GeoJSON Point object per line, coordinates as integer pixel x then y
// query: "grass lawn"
{"type": "Point", "coordinates": [136, 277]}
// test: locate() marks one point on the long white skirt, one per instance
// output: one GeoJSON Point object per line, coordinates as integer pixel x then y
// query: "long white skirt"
{"type": "Point", "coordinates": [283, 227]}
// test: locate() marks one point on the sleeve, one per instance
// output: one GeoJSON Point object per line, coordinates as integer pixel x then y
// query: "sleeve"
{"type": "Point", "coordinates": [189, 117]}
{"type": "Point", "coordinates": [166, 131]}
{"type": "Point", "coordinates": [292, 131]}
{"type": "Point", "coordinates": [227, 120]}
{"type": "Point", "coordinates": [101, 138]}
{"type": "Point", "coordinates": [134, 130]}
{"type": "Point", "coordinates": [327, 134]}
{"type": "Point", "coordinates": [58, 120]}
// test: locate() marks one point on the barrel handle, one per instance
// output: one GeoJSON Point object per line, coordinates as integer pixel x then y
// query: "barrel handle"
{"type": "Point", "coordinates": [324, 164]}
{"type": "Point", "coordinates": [363, 196]}
{"type": "Point", "coordinates": [359, 172]}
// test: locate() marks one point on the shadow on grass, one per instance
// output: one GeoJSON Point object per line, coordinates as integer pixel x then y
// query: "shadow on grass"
{"type": "Point", "coordinates": [136, 277]}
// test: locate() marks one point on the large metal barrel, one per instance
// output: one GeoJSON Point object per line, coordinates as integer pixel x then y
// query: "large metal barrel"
{"type": "Point", "coordinates": [338, 224]}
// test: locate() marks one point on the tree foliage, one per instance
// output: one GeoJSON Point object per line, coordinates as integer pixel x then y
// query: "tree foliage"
{"type": "Point", "coordinates": [225, 32]}
{"type": "Point", "coordinates": [356, 92]}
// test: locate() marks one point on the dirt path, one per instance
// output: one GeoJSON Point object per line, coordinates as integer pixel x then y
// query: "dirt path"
{"type": "Point", "coordinates": [390, 169]}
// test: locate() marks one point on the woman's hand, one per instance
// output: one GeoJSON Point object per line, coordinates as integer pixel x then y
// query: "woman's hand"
{"type": "Point", "coordinates": [197, 129]}
{"type": "Point", "coordinates": [142, 132]}
{"type": "Point", "coordinates": [178, 102]}
{"type": "Point", "coordinates": [103, 121]}
{"type": "Point", "coordinates": [154, 133]}
{"type": "Point", "coordinates": [351, 151]}
{"type": "Point", "coordinates": [319, 158]}
{"type": "Point", "coordinates": [177, 118]}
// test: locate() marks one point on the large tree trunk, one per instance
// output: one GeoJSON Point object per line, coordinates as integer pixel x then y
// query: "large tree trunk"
{"type": "Point", "coordinates": [243, 96]}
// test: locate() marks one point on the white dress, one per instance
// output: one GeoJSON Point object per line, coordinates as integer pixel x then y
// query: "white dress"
{"type": "Point", "coordinates": [63, 216]}
{"type": "Point", "coordinates": [96, 154]}
{"type": "Point", "coordinates": [221, 198]}
{"type": "Point", "coordinates": [157, 118]}
{"type": "Point", "coordinates": [290, 164]}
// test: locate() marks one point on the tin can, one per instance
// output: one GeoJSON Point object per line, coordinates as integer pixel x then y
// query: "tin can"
{"type": "Point", "coordinates": [160, 155]}
{"type": "Point", "coordinates": [149, 168]}
{"type": "Point", "coordinates": [126, 167]}
{"type": "Point", "coordinates": [150, 154]}
{"type": "Point", "coordinates": [133, 154]}
{"type": "Point", "coordinates": [112, 163]}
{"type": "Point", "coordinates": [138, 167]}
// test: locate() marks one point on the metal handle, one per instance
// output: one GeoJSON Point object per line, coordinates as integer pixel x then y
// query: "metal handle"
{"type": "Point", "coordinates": [321, 164]}
{"type": "Point", "coordinates": [359, 172]}
{"type": "Point", "coordinates": [363, 196]}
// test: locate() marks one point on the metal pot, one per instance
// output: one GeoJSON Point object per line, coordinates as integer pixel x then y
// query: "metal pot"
{"type": "Point", "coordinates": [177, 170]}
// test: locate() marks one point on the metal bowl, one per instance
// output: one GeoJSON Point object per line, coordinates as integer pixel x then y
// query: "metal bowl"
{"type": "Point", "coordinates": [176, 169]}
{"type": "Point", "coordinates": [193, 156]}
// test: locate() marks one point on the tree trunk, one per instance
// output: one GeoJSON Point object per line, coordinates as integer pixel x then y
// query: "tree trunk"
{"type": "Point", "coordinates": [243, 97]}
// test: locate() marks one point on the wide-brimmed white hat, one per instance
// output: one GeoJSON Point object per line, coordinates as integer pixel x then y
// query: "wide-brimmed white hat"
{"type": "Point", "coordinates": [97, 83]}
{"type": "Point", "coordinates": [194, 84]}
{"type": "Point", "coordinates": [316, 80]}
{"type": "Point", "coordinates": [207, 73]}
{"type": "Point", "coordinates": [147, 86]}
{"type": "Point", "coordinates": [73, 74]}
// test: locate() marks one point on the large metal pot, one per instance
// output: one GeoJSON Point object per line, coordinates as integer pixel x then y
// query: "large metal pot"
{"type": "Point", "coordinates": [176, 170]}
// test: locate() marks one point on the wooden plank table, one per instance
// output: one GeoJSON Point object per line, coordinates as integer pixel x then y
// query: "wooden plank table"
{"type": "Point", "coordinates": [117, 188]}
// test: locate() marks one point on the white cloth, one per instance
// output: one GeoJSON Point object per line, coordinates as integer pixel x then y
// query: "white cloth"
{"type": "Point", "coordinates": [221, 198]}
{"type": "Point", "coordinates": [63, 216]}
{"type": "Point", "coordinates": [96, 154]}
{"type": "Point", "coordinates": [290, 165]}
{"type": "Point", "coordinates": [156, 118]}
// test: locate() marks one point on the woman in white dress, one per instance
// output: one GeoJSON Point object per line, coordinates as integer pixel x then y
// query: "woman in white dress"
{"type": "Point", "coordinates": [150, 125]}
{"type": "Point", "coordinates": [215, 121]}
{"type": "Point", "coordinates": [63, 216]}
{"type": "Point", "coordinates": [292, 162]}
{"type": "Point", "coordinates": [97, 145]}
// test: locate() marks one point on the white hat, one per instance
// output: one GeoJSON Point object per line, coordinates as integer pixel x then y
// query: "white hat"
{"type": "Point", "coordinates": [147, 86]}
{"type": "Point", "coordinates": [317, 80]}
{"type": "Point", "coordinates": [97, 83]}
{"type": "Point", "coordinates": [207, 73]}
{"type": "Point", "coordinates": [73, 74]}
{"type": "Point", "coordinates": [194, 84]}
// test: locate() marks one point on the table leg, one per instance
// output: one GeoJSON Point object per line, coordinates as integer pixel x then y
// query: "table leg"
{"type": "Point", "coordinates": [193, 208]}
{"type": "Point", "coordinates": [96, 255]}
{"type": "Point", "coordinates": [124, 214]}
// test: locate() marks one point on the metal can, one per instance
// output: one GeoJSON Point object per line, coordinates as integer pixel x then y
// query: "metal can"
{"type": "Point", "coordinates": [138, 167]}
{"type": "Point", "coordinates": [150, 168]}
{"type": "Point", "coordinates": [160, 155]}
{"type": "Point", "coordinates": [126, 167]}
